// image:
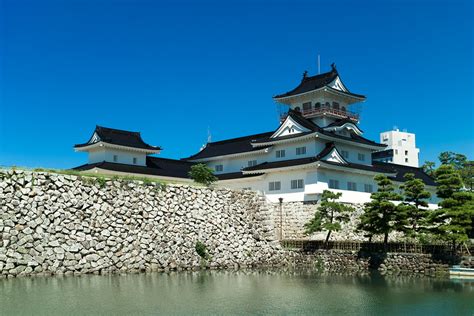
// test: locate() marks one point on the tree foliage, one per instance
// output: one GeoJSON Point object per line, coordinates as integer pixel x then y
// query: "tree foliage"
{"type": "Point", "coordinates": [380, 213]}
{"type": "Point", "coordinates": [201, 173]}
{"type": "Point", "coordinates": [453, 220]}
{"type": "Point", "coordinates": [413, 212]}
{"type": "Point", "coordinates": [329, 215]}
{"type": "Point", "coordinates": [429, 168]}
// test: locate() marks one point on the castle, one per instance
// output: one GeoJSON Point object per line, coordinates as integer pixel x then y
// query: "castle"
{"type": "Point", "coordinates": [318, 145]}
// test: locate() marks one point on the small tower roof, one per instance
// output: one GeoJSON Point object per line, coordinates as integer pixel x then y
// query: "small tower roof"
{"type": "Point", "coordinates": [117, 137]}
{"type": "Point", "coordinates": [311, 83]}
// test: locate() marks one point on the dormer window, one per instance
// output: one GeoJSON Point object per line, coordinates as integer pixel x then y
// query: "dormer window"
{"type": "Point", "coordinates": [115, 158]}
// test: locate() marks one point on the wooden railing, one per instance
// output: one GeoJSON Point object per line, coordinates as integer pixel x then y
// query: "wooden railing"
{"type": "Point", "coordinates": [314, 245]}
{"type": "Point", "coordinates": [327, 110]}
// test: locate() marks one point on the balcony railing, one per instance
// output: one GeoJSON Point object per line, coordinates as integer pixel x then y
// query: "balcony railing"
{"type": "Point", "coordinates": [326, 110]}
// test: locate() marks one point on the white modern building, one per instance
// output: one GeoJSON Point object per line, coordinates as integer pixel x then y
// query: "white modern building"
{"type": "Point", "coordinates": [318, 145]}
{"type": "Point", "coordinates": [401, 148]}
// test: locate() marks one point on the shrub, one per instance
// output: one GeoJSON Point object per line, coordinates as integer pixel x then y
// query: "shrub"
{"type": "Point", "coordinates": [201, 250]}
{"type": "Point", "coordinates": [201, 173]}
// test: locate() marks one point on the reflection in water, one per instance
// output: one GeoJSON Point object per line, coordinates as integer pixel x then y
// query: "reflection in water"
{"type": "Point", "coordinates": [271, 292]}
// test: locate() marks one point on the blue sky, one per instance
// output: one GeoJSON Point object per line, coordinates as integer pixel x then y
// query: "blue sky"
{"type": "Point", "coordinates": [173, 69]}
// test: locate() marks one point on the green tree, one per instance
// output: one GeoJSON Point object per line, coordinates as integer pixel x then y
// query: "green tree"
{"type": "Point", "coordinates": [201, 173]}
{"type": "Point", "coordinates": [412, 213]}
{"type": "Point", "coordinates": [454, 159]}
{"type": "Point", "coordinates": [380, 213]}
{"type": "Point", "coordinates": [453, 219]}
{"type": "Point", "coordinates": [467, 175]}
{"type": "Point", "coordinates": [329, 215]}
{"type": "Point", "coordinates": [429, 168]}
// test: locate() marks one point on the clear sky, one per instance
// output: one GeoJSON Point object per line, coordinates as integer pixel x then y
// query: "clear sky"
{"type": "Point", "coordinates": [172, 69]}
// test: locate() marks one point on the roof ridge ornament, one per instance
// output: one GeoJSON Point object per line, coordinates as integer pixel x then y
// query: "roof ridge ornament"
{"type": "Point", "coordinates": [333, 67]}
{"type": "Point", "coordinates": [305, 75]}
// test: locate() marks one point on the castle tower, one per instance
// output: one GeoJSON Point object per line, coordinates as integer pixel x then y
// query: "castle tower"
{"type": "Point", "coordinates": [323, 98]}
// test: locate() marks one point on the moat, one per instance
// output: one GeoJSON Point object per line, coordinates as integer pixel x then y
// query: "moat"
{"type": "Point", "coordinates": [262, 292]}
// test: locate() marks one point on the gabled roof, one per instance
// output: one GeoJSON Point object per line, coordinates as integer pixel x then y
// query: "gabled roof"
{"type": "Point", "coordinates": [297, 117]}
{"type": "Point", "coordinates": [154, 166]}
{"type": "Point", "coordinates": [311, 83]}
{"type": "Point", "coordinates": [117, 137]}
{"type": "Point", "coordinates": [401, 170]}
{"type": "Point", "coordinates": [229, 147]}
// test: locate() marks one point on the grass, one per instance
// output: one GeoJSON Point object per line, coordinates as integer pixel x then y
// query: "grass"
{"type": "Point", "coordinates": [102, 178]}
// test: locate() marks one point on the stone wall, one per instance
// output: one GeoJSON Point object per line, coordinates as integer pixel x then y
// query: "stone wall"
{"type": "Point", "coordinates": [294, 215]}
{"type": "Point", "coordinates": [65, 224]}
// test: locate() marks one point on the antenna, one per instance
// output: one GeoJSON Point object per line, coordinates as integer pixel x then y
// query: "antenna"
{"type": "Point", "coordinates": [209, 137]}
{"type": "Point", "coordinates": [319, 64]}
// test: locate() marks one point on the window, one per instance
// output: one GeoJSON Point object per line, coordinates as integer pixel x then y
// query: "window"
{"type": "Point", "coordinates": [115, 158]}
{"type": "Point", "coordinates": [396, 151]}
{"type": "Point", "coordinates": [343, 108]}
{"type": "Point", "coordinates": [406, 152]}
{"type": "Point", "coordinates": [274, 186]}
{"type": "Point", "coordinates": [252, 163]}
{"type": "Point", "coordinates": [280, 153]}
{"type": "Point", "coordinates": [218, 168]}
{"type": "Point", "coordinates": [361, 157]}
{"type": "Point", "coordinates": [352, 186]}
{"type": "Point", "coordinates": [335, 105]}
{"type": "Point", "coordinates": [406, 159]}
{"type": "Point", "coordinates": [368, 188]}
{"type": "Point", "coordinates": [306, 106]}
{"type": "Point", "coordinates": [317, 105]}
{"type": "Point", "coordinates": [297, 184]}
{"type": "Point", "coordinates": [134, 160]}
{"type": "Point", "coordinates": [333, 184]}
{"type": "Point", "coordinates": [327, 104]}
{"type": "Point", "coordinates": [345, 153]}
{"type": "Point", "coordinates": [300, 150]}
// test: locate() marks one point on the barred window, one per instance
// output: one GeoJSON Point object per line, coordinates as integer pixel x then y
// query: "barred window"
{"type": "Point", "coordinates": [300, 150]}
{"type": "Point", "coordinates": [274, 186]}
{"type": "Point", "coordinates": [297, 184]}
{"type": "Point", "coordinates": [333, 184]}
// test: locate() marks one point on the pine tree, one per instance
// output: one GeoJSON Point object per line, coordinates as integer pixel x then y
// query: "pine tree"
{"type": "Point", "coordinates": [453, 220]}
{"type": "Point", "coordinates": [329, 215]}
{"type": "Point", "coordinates": [429, 168]}
{"type": "Point", "coordinates": [380, 213]}
{"type": "Point", "coordinates": [412, 214]}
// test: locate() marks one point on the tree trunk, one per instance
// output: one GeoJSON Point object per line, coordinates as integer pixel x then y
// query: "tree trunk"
{"type": "Point", "coordinates": [385, 239]}
{"type": "Point", "coordinates": [327, 239]}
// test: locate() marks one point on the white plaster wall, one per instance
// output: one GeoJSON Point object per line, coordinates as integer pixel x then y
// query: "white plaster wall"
{"type": "Point", "coordinates": [124, 157]}
{"type": "Point", "coordinates": [315, 182]}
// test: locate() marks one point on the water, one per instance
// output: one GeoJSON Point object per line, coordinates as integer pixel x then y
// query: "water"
{"type": "Point", "coordinates": [242, 292]}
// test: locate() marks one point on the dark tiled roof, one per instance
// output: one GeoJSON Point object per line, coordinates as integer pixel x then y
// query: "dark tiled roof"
{"type": "Point", "coordinates": [315, 82]}
{"type": "Point", "coordinates": [229, 146]}
{"type": "Point", "coordinates": [315, 128]}
{"type": "Point", "coordinates": [401, 170]}
{"type": "Point", "coordinates": [119, 137]}
{"type": "Point", "coordinates": [154, 166]}
{"type": "Point", "coordinates": [236, 175]}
